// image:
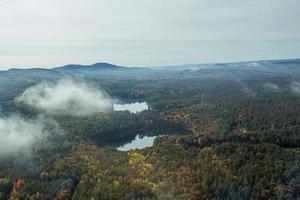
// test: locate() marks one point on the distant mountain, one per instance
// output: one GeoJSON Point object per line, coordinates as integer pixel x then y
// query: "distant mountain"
{"type": "Point", "coordinates": [274, 66]}
{"type": "Point", "coordinates": [94, 67]}
{"type": "Point", "coordinates": [264, 65]}
{"type": "Point", "coordinates": [237, 70]}
{"type": "Point", "coordinates": [104, 71]}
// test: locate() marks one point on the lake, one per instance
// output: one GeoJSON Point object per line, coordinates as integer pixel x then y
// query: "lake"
{"type": "Point", "coordinates": [138, 143]}
{"type": "Point", "coordinates": [132, 107]}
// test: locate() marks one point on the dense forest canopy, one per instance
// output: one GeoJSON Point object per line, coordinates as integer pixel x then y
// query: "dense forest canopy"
{"type": "Point", "coordinates": [227, 131]}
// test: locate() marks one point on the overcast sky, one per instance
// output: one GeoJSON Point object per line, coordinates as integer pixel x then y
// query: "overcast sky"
{"type": "Point", "coordinates": [35, 33]}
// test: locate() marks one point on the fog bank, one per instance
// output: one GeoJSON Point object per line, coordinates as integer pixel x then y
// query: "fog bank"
{"type": "Point", "coordinates": [271, 87]}
{"type": "Point", "coordinates": [67, 97]}
{"type": "Point", "coordinates": [295, 87]}
{"type": "Point", "coordinates": [17, 133]}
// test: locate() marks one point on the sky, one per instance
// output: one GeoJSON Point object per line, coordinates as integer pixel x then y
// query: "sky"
{"type": "Point", "coordinates": [49, 33]}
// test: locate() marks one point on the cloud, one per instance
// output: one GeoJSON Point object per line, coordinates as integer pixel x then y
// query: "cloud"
{"type": "Point", "coordinates": [67, 97]}
{"type": "Point", "coordinates": [272, 87]}
{"type": "Point", "coordinates": [138, 32]}
{"type": "Point", "coordinates": [17, 133]}
{"type": "Point", "coordinates": [295, 87]}
{"type": "Point", "coordinates": [246, 89]}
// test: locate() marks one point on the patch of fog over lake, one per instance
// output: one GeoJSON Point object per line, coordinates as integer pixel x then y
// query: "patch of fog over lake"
{"type": "Point", "coordinates": [132, 107]}
{"type": "Point", "coordinates": [138, 143]}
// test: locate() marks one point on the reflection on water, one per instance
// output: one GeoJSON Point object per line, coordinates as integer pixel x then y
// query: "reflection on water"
{"type": "Point", "coordinates": [132, 107]}
{"type": "Point", "coordinates": [138, 143]}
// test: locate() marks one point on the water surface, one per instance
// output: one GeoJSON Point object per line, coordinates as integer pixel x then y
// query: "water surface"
{"type": "Point", "coordinates": [138, 143]}
{"type": "Point", "coordinates": [132, 107]}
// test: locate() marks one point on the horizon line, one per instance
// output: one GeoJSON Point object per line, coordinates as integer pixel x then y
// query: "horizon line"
{"type": "Point", "coordinates": [156, 66]}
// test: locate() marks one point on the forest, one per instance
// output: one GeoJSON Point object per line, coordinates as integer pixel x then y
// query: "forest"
{"type": "Point", "coordinates": [223, 134]}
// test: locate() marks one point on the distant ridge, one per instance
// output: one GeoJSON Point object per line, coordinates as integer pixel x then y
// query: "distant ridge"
{"type": "Point", "coordinates": [108, 66]}
{"type": "Point", "coordinates": [96, 66]}
{"type": "Point", "coordinates": [235, 63]}
{"type": "Point", "coordinates": [102, 70]}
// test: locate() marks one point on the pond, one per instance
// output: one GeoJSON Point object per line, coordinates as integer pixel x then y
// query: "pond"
{"type": "Point", "coordinates": [138, 143]}
{"type": "Point", "coordinates": [132, 107]}
{"type": "Point", "coordinates": [144, 138]}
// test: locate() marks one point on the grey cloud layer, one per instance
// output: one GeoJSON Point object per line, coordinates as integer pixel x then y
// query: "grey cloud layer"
{"type": "Point", "coordinates": [140, 32]}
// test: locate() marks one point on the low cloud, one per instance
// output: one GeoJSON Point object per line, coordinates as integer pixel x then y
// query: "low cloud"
{"type": "Point", "coordinates": [295, 87]}
{"type": "Point", "coordinates": [246, 89]}
{"type": "Point", "coordinates": [272, 87]}
{"type": "Point", "coordinates": [18, 134]}
{"type": "Point", "coordinates": [67, 97]}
